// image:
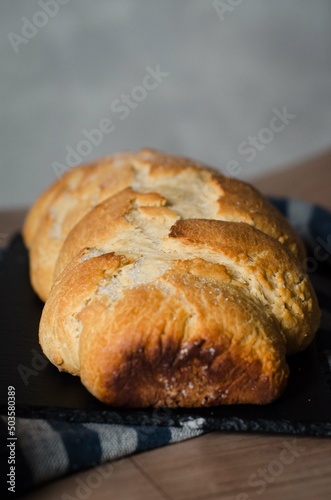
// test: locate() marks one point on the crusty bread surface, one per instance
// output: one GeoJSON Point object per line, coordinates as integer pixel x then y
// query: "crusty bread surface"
{"type": "Point", "coordinates": [167, 283]}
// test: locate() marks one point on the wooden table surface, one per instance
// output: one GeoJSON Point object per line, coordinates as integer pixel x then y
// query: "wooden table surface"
{"type": "Point", "coordinates": [220, 465]}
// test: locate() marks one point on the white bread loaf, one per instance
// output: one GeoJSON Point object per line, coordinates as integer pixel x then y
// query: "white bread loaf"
{"type": "Point", "coordinates": [168, 284]}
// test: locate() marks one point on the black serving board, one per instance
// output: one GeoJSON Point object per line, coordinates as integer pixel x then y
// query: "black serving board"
{"type": "Point", "coordinates": [44, 392]}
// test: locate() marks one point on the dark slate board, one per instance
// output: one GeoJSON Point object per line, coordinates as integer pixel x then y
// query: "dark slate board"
{"type": "Point", "coordinates": [304, 408]}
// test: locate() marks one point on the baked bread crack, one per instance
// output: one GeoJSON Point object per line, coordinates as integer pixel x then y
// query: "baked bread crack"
{"type": "Point", "coordinates": [168, 284]}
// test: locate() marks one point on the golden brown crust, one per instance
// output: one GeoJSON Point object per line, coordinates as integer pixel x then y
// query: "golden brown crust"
{"type": "Point", "coordinates": [69, 296]}
{"type": "Point", "coordinates": [174, 285]}
{"type": "Point", "coordinates": [67, 201]}
{"type": "Point", "coordinates": [246, 204]}
{"type": "Point", "coordinates": [255, 260]}
{"type": "Point", "coordinates": [107, 221]}
{"type": "Point", "coordinates": [185, 340]}
{"type": "Point", "coordinates": [267, 269]}
{"type": "Point", "coordinates": [56, 212]}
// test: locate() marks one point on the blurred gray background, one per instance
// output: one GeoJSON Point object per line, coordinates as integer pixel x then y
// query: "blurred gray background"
{"type": "Point", "coordinates": [67, 65]}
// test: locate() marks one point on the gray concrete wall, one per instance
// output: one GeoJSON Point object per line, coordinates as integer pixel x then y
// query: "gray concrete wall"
{"type": "Point", "coordinates": [226, 72]}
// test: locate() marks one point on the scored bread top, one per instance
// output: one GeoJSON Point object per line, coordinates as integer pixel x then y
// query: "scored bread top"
{"type": "Point", "coordinates": [191, 337]}
{"type": "Point", "coordinates": [192, 189]}
{"type": "Point", "coordinates": [57, 210]}
{"type": "Point", "coordinates": [141, 227]}
{"type": "Point", "coordinates": [168, 284]}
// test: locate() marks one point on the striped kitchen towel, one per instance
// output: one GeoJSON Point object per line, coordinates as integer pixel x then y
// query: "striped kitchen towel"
{"type": "Point", "coordinates": [50, 449]}
{"type": "Point", "coordinates": [46, 450]}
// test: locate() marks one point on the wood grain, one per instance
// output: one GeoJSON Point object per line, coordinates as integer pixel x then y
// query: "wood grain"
{"type": "Point", "coordinates": [309, 181]}
{"type": "Point", "coordinates": [213, 466]}
{"type": "Point", "coordinates": [241, 466]}
{"type": "Point", "coordinates": [124, 481]}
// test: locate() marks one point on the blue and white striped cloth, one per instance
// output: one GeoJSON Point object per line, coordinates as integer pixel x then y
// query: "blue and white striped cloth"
{"type": "Point", "coordinates": [50, 449]}
{"type": "Point", "coordinates": [47, 450]}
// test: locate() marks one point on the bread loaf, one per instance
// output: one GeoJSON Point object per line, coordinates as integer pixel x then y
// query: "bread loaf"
{"type": "Point", "coordinates": [168, 284]}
